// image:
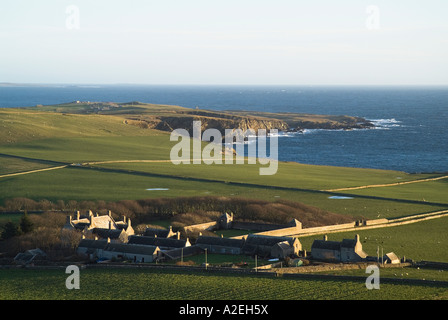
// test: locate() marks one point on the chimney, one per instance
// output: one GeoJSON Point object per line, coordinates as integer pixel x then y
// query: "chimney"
{"type": "Point", "coordinates": [77, 215]}
{"type": "Point", "coordinates": [129, 222]}
{"type": "Point", "coordinates": [124, 219]}
{"type": "Point", "coordinates": [90, 213]}
{"type": "Point", "coordinates": [109, 213]}
{"type": "Point", "coordinates": [222, 236]}
{"type": "Point", "coordinates": [325, 238]}
{"type": "Point", "coordinates": [178, 235]}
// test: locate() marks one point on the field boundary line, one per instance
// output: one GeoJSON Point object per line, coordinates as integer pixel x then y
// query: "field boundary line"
{"type": "Point", "coordinates": [32, 171]}
{"type": "Point", "coordinates": [391, 223]}
{"type": "Point", "coordinates": [387, 184]}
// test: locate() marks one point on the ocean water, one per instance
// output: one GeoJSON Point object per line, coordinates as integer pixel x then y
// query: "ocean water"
{"type": "Point", "coordinates": [411, 122]}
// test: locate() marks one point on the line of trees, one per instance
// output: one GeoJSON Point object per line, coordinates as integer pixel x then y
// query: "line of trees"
{"type": "Point", "coordinates": [200, 209]}
{"type": "Point", "coordinates": [11, 229]}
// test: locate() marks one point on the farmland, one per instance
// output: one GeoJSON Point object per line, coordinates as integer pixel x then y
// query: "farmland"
{"type": "Point", "coordinates": [102, 157]}
{"type": "Point", "coordinates": [130, 284]}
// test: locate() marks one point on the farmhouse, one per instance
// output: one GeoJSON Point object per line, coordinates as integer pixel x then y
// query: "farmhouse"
{"type": "Point", "coordinates": [136, 253]}
{"type": "Point", "coordinates": [104, 249]}
{"type": "Point", "coordinates": [125, 225]}
{"type": "Point", "coordinates": [101, 226]}
{"type": "Point", "coordinates": [220, 245]}
{"type": "Point", "coordinates": [162, 243]}
{"type": "Point", "coordinates": [90, 221]}
{"type": "Point", "coordinates": [92, 248]}
{"type": "Point", "coordinates": [268, 246]}
{"type": "Point", "coordinates": [115, 235]}
{"type": "Point", "coordinates": [161, 233]}
{"type": "Point", "coordinates": [225, 221]}
{"type": "Point", "coordinates": [348, 250]}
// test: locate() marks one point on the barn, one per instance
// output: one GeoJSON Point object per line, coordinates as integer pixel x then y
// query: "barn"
{"type": "Point", "coordinates": [220, 245]}
{"type": "Point", "coordinates": [347, 250]}
{"type": "Point", "coordinates": [267, 246]}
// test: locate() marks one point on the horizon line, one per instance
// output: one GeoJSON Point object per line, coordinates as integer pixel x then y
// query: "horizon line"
{"type": "Point", "coordinates": [4, 83]}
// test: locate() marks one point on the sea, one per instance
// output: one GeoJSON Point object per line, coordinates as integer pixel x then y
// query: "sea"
{"type": "Point", "coordinates": [410, 132]}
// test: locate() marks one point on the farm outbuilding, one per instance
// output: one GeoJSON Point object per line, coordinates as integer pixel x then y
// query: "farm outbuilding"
{"type": "Point", "coordinates": [347, 250]}
{"type": "Point", "coordinates": [161, 233]}
{"type": "Point", "coordinates": [266, 246]}
{"type": "Point", "coordinates": [282, 250]}
{"type": "Point", "coordinates": [162, 243]}
{"type": "Point", "coordinates": [136, 253]}
{"type": "Point", "coordinates": [220, 245]}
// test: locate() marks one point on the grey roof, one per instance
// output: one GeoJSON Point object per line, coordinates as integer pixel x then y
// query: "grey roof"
{"type": "Point", "coordinates": [30, 255]}
{"type": "Point", "coordinates": [130, 248]}
{"type": "Point", "coordinates": [262, 240]}
{"type": "Point", "coordinates": [218, 241]}
{"type": "Point", "coordinates": [348, 243]}
{"type": "Point", "coordinates": [94, 244]}
{"type": "Point", "coordinates": [283, 245]}
{"type": "Point", "coordinates": [185, 252]}
{"type": "Point", "coordinates": [152, 232]}
{"type": "Point", "coordinates": [107, 233]}
{"type": "Point", "coordinates": [160, 242]}
{"type": "Point", "coordinates": [328, 245]}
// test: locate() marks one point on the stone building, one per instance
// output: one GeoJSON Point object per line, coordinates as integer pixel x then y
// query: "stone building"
{"type": "Point", "coordinates": [220, 245]}
{"type": "Point", "coordinates": [162, 243]}
{"type": "Point", "coordinates": [161, 233]}
{"type": "Point", "coordinates": [282, 250]}
{"type": "Point", "coordinates": [347, 250]}
{"type": "Point", "coordinates": [90, 221]}
{"type": "Point", "coordinates": [91, 248]}
{"type": "Point", "coordinates": [225, 221]}
{"type": "Point", "coordinates": [268, 246]}
{"type": "Point", "coordinates": [105, 249]}
{"type": "Point", "coordinates": [135, 253]}
{"type": "Point", "coordinates": [100, 226]}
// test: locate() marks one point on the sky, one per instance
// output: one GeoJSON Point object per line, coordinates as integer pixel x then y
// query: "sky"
{"type": "Point", "coordinates": [236, 42]}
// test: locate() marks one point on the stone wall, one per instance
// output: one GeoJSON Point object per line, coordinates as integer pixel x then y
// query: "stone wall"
{"type": "Point", "coordinates": [201, 226]}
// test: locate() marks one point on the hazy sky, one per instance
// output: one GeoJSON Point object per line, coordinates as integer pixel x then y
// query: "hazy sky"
{"type": "Point", "coordinates": [224, 42]}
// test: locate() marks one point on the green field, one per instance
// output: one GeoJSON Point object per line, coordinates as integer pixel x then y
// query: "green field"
{"type": "Point", "coordinates": [136, 284]}
{"type": "Point", "coordinates": [38, 138]}
{"type": "Point", "coordinates": [426, 240]}
{"type": "Point", "coordinates": [432, 191]}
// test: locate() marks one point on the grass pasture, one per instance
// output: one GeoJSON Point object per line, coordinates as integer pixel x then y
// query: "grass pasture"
{"type": "Point", "coordinates": [38, 136]}
{"type": "Point", "coordinates": [136, 284]}
{"type": "Point", "coordinates": [432, 191]}
{"type": "Point", "coordinates": [426, 240]}
{"type": "Point", "coordinates": [10, 165]}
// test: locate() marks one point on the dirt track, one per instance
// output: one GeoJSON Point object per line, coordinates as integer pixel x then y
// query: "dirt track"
{"type": "Point", "coordinates": [387, 185]}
